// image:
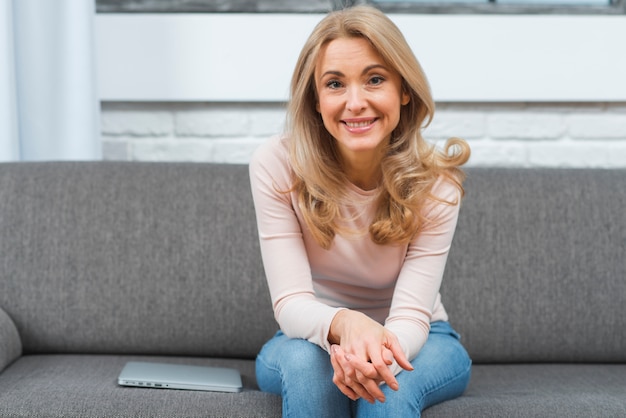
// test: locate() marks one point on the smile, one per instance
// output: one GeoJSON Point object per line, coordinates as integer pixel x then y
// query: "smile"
{"type": "Point", "coordinates": [357, 124]}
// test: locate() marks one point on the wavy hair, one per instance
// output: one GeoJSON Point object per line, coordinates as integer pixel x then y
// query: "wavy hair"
{"type": "Point", "coordinates": [410, 167]}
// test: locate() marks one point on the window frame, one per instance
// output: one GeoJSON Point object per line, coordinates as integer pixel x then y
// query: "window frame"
{"type": "Point", "coordinates": [616, 7]}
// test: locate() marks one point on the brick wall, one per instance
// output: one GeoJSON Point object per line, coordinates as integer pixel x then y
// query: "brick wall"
{"type": "Point", "coordinates": [509, 135]}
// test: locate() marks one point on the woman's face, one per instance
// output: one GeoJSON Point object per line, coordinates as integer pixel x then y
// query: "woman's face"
{"type": "Point", "coordinates": [359, 96]}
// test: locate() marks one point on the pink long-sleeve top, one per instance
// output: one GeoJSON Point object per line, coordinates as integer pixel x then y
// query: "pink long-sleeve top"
{"type": "Point", "coordinates": [396, 285]}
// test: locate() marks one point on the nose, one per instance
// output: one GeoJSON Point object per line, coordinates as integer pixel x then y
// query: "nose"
{"type": "Point", "coordinates": [356, 101]}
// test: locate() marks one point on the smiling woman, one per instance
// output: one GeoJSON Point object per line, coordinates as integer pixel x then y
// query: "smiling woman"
{"type": "Point", "coordinates": [356, 214]}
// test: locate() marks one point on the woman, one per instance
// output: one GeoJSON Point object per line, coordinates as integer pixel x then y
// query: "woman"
{"type": "Point", "coordinates": [356, 214]}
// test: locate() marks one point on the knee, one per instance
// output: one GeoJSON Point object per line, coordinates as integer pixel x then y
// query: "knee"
{"type": "Point", "coordinates": [306, 361]}
{"type": "Point", "coordinates": [301, 354]}
{"type": "Point", "coordinates": [306, 381]}
{"type": "Point", "coordinates": [297, 359]}
{"type": "Point", "coordinates": [401, 403]}
{"type": "Point", "coordinates": [292, 363]}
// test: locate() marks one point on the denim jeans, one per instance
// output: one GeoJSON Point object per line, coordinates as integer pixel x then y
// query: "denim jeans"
{"type": "Point", "coordinates": [301, 373]}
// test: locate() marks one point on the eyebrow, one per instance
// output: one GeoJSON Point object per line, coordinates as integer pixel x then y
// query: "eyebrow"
{"type": "Point", "coordinates": [365, 70]}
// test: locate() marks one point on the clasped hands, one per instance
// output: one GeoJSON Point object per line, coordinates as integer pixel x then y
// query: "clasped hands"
{"type": "Point", "coordinates": [362, 351]}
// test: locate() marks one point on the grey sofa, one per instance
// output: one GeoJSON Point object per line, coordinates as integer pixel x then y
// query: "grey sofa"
{"type": "Point", "coordinates": [105, 262]}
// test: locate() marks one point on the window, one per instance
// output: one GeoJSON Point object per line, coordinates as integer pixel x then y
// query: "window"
{"type": "Point", "coordinates": [391, 6]}
{"type": "Point", "coordinates": [212, 6]}
{"type": "Point", "coordinates": [503, 6]}
{"type": "Point", "coordinates": [519, 2]}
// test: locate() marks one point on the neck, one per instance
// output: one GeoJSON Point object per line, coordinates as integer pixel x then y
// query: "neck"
{"type": "Point", "coordinates": [364, 173]}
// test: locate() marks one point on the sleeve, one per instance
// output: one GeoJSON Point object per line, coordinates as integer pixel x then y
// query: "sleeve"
{"type": "Point", "coordinates": [296, 309]}
{"type": "Point", "coordinates": [417, 290]}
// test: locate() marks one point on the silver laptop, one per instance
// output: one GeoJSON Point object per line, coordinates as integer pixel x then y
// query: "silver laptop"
{"type": "Point", "coordinates": [177, 376]}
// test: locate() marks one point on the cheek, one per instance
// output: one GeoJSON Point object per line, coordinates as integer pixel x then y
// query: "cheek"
{"type": "Point", "coordinates": [394, 111]}
{"type": "Point", "coordinates": [328, 109]}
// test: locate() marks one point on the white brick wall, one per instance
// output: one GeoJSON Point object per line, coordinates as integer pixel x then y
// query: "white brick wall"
{"type": "Point", "coordinates": [500, 134]}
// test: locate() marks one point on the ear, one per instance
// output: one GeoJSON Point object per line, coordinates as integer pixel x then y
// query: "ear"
{"type": "Point", "coordinates": [406, 98]}
{"type": "Point", "coordinates": [317, 107]}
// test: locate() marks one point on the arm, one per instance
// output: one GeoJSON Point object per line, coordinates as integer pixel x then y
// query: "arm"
{"type": "Point", "coordinates": [417, 290]}
{"type": "Point", "coordinates": [366, 358]}
{"type": "Point", "coordinates": [298, 312]}
{"type": "Point", "coordinates": [10, 342]}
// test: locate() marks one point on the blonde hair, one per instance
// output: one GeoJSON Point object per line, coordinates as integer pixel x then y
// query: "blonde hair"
{"type": "Point", "coordinates": [410, 167]}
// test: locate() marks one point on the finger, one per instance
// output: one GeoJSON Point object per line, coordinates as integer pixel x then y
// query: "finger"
{"type": "Point", "coordinates": [385, 371]}
{"type": "Point", "coordinates": [398, 355]}
{"type": "Point", "coordinates": [371, 386]}
{"type": "Point", "coordinates": [367, 377]}
{"type": "Point", "coordinates": [387, 356]}
{"type": "Point", "coordinates": [340, 362]}
{"type": "Point", "coordinates": [379, 357]}
{"type": "Point", "coordinates": [334, 361]}
{"type": "Point", "coordinates": [349, 386]}
{"type": "Point", "coordinates": [378, 370]}
{"type": "Point", "coordinates": [345, 389]}
{"type": "Point", "coordinates": [338, 375]}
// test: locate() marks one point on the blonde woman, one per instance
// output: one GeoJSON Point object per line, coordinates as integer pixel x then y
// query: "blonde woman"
{"type": "Point", "coordinates": [356, 214]}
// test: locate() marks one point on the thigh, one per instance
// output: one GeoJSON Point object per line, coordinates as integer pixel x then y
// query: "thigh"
{"type": "Point", "coordinates": [441, 372]}
{"type": "Point", "coordinates": [301, 373]}
{"type": "Point", "coordinates": [443, 364]}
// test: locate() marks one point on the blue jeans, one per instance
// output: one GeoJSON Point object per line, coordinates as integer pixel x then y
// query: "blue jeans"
{"type": "Point", "coordinates": [301, 373]}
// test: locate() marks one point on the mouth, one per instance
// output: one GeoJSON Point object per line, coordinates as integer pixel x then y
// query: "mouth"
{"type": "Point", "coordinates": [359, 124]}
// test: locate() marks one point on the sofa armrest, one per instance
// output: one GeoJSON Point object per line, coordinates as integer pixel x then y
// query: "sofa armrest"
{"type": "Point", "coordinates": [10, 341]}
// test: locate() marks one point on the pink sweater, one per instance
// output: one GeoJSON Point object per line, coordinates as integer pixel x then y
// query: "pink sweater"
{"type": "Point", "coordinates": [397, 285]}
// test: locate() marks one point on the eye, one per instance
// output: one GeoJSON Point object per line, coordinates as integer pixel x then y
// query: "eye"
{"type": "Point", "coordinates": [376, 80]}
{"type": "Point", "coordinates": [333, 84]}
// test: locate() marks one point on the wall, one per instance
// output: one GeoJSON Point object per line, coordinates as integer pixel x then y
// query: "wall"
{"type": "Point", "coordinates": [194, 87]}
{"type": "Point", "coordinates": [500, 134]}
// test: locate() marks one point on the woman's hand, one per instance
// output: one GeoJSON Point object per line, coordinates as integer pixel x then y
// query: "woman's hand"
{"type": "Point", "coordinates": [361, 354]}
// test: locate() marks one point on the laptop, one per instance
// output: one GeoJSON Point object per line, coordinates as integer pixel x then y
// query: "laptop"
{"type": "Point", "coordinates": [177, 376]}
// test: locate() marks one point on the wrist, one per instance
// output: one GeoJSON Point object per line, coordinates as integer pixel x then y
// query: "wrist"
{"type": "Point", "coordinates": [336, 327]}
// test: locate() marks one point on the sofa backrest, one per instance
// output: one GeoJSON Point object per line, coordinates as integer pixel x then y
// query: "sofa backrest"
{"type": "Point", "coordinates": [163, 258]}
{"type": "Point", "coordinates": [537, 269]}
{"type": "Point", "coordinates": [146, 258]}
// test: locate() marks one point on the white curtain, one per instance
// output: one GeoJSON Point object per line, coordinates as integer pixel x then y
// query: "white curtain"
{"type": "Point", "coordinates": [49, 107]}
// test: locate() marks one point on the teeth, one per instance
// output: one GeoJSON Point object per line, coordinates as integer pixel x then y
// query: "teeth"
{"type": "Point", "coordinates": [358, 124]}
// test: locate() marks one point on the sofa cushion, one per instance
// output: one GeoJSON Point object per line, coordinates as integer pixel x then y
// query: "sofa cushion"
{"type": "Point", "coordinates": [536, 270]}
{"type": "Point", "coordinates": [540, 390]}
{"type": "Point", "coordinates": [86, 386]}
{"type": "Point", "coordinates": [147, 258]}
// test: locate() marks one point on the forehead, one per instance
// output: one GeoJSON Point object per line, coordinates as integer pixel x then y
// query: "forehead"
{"type": "Point", "coordinates": [347, 52]}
